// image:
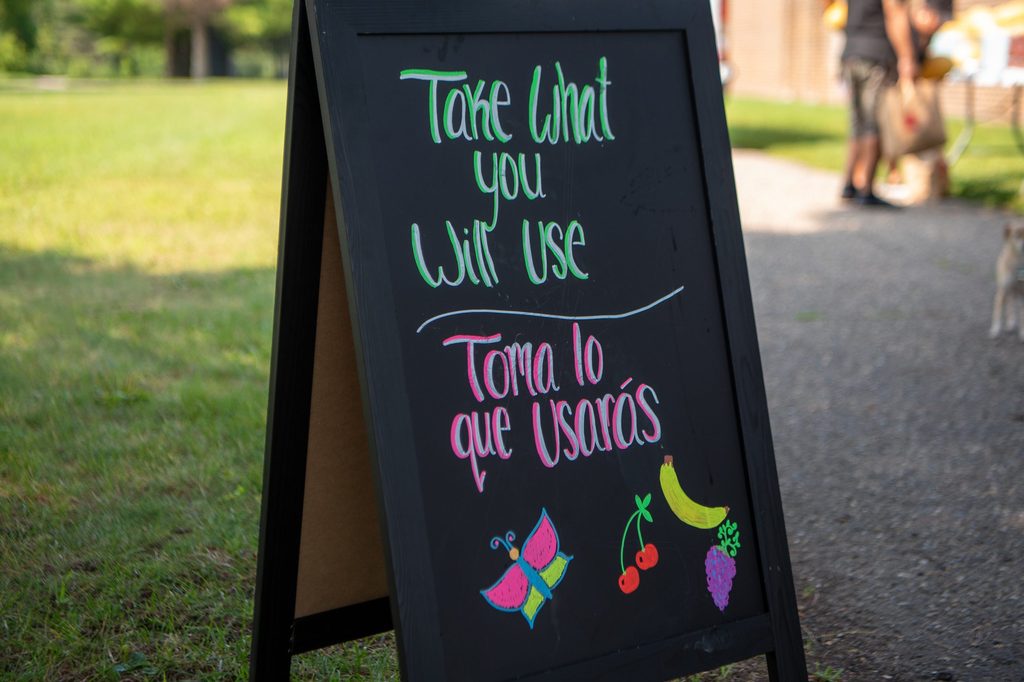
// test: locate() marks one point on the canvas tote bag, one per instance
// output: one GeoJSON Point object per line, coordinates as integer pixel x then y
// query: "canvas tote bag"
{"type": "Point", "coordinates": [909, 119]}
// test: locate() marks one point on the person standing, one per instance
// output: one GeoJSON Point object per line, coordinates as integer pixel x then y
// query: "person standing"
{"type": "Point", "coordinates": [926, 16]}
{"type": "Point", "coordinates": [879, 50]}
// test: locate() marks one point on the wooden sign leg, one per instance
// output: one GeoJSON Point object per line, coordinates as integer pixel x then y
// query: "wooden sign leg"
{"type": "Point", "coordinates": [291, 373]}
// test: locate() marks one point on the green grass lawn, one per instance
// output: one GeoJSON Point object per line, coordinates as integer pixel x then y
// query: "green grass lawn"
{"type": "Point", "coordinates": [990, 171]}
{"type": "Point", "coordinates": [138, 228]}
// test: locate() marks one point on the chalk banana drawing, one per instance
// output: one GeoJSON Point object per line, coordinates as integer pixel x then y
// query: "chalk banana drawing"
{"type": "Point", "coordinates": [526, 585]}
{"type": "Point", "coordinates": [646, 557]}
{"type": "Point", "coordinates": [719, 562]}
{"type": "Point", "coordinates": [688, 511]}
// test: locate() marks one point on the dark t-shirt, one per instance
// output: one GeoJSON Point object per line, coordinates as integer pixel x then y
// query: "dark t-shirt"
{"type": "Point", "coordinates": [865, 33]}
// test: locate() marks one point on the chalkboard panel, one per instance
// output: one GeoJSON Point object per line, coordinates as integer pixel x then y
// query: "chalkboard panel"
{"type": "Point", "coordinates": [637, 205]}
{"type": "Point", "coordinates": [554, 339]}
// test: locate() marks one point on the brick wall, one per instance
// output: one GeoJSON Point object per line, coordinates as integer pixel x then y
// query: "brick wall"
{"type": "Point", "coordinates": [781, 49]}
{"type": "Point", "coordinates": [814, 53]}
{"type": "Point", "coordinates": [757, 35]}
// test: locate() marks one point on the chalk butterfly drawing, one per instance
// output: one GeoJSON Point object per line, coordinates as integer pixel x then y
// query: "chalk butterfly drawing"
{"type": "Point", "coordinates": [527, 584]}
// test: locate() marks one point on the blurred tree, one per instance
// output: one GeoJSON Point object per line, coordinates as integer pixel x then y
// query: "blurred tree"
{"type": "Point", "coordinates": [137, 21]}
{"type": "Point", "coordinates": [124, 37]}
{"type": "Point", "coordinates": [17, 34]}
{"type": "Point", "coordinates": [119, 26]}
{"type": "Point", "coordinates": [264, 25]}
{"type": "Point", "coordinates": [16, 18]}
{"type": "Point", "coordinates": [197, 16]}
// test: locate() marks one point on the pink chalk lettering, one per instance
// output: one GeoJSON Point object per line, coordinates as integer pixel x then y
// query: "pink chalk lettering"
{"type": "Point", "coordinates": [520, 367]}
{"type": "Point", "coordinates": [621, 442]}
{"type": "Point", "coordinates": [609, 423]}
{"type": "Point", "coordinates": [489, 359]}
{"type": "Point", "coordinates": [538, 440]}
{"type": "Point", "coordinates": [520, 361]}
{"type": "Point", "coordinates": [501, 425]}
{"type": "Point", "coordinates": [577, 353]}
{"type": "Point", "coordinates": [593, 348]}
{"type": "Point", "coordinates": [460, 423]}
{"type": "Point", "coordinates": [471, 341]}
{"type": "Point", "coordinates": [566, 427]}
{"type": "Point", "coordinates": [481, 446]}
{"type": "Point", "coordinates": [543, 364]}
{"type": "Point", "coordinates": [478, 435]}
{"type": "Point", "coordinates": [585, 413]}
{"type": "Point", "coordinates": [655, 435]}
{"type": "Point", "coordinates": [604, 419]}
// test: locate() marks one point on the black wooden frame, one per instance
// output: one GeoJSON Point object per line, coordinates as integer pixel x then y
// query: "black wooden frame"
{"type": "Point", "coordinates": [329, 129]}
{"type": "Point", "coordinates": [277, 634]}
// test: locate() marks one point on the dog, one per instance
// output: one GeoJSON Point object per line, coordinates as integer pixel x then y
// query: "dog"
{"type": "Point", "coordinates": [1008, 306]}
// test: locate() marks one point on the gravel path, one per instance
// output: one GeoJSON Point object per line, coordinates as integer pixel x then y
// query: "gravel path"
{"type": "Point", "coordinates": [898, 425]}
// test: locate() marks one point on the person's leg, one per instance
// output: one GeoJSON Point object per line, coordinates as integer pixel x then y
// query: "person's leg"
{"type": "Point", "coordinates": [864, 80]}
{"type": "Point", "coordinates": [876, 78]}
{"type": "Point", "coordinates": [853, 86]}
{"type": "Point", "coordinates": [871, 153]}
{"type": "Point", "coordinates": [852, 156]}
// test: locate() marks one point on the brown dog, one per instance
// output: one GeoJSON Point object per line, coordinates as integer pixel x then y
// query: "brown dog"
{"type": "Point", "coordinates": [1009, 303]}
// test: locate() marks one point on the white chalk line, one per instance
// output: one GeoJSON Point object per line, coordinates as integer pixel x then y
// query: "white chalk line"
{"type": "Point", "coordinates": [551, 316]}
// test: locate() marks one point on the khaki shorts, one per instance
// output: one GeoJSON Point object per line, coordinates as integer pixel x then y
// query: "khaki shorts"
{"type": "Point", "coordinates": [867, 81]}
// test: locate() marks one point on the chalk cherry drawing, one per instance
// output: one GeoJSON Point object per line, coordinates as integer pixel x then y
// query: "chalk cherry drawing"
{"type": "Point", "coordinates": [526, 585]}
{"type": "Point", "coordinates": [646, 557]}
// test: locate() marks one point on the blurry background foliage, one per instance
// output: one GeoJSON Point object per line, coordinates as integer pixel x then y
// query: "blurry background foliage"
{"type": "Point", "coordinates": [111, 38]}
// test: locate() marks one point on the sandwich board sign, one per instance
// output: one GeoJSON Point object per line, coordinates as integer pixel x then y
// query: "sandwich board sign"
{"type": "Point", "coordinates": [516, 405]}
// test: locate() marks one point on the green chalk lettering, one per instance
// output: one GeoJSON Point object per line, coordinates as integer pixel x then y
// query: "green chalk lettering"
{"type": "Point", "coordinates": [500, 97]}
{"type": "Point", "coordinates": [454, 100]}
{"type": "Point", "coordinates": [432, 77]}
{"type": "Point", "coordinates": [573, 108]}
{"type": "Point", "coordinates": [478, 106]}
{"type": "Point", "coordinates": [561, 245]}
{"type": "Point", "coordinates": [602, 80]}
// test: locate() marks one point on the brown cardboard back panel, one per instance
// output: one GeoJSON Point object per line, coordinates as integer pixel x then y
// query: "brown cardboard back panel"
{"type": "Point", "coordinates": [341, 559]}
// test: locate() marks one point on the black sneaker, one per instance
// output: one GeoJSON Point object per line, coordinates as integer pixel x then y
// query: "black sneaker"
{"type": "Point", "coordinates": [873, 201]}
{"type": "Point", "coordinates": [849, 192]}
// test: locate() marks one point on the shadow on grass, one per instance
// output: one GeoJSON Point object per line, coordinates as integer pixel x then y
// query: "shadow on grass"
{"type": "Point", "coordinates": [132, 409]}
{"type": "Point", "coordinates": [995, 190]}
{"type": "Point", "coordinates": [766, 137]}
{"type": "Point", "coordinates": [67, 318]}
